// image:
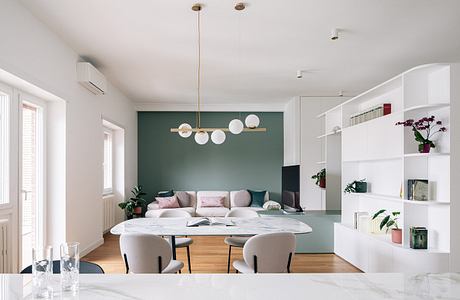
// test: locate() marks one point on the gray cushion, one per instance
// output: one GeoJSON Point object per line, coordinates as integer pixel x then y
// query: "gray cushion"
{"type": "Point", "coordinates": [242, 199]}
{"type": "Point", "coordinates": [183, 198]}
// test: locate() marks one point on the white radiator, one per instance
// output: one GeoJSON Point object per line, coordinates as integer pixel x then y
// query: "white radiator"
{"type": "Point", "coordinates": [109, 206]}
{"type": "Point", "coordinates": [4, 243]}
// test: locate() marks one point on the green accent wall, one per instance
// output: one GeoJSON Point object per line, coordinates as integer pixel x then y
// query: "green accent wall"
{"type": "Point", "coordinates": [245, 161]}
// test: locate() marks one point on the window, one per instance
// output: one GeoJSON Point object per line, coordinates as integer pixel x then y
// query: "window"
{"type": "Point", "coordinates": [4, 147]}
{"type": "Point", "coordinates": [108, 161]}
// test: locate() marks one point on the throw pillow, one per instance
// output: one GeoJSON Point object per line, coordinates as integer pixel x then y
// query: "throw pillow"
{"type": "Point", "coordinates": [212, 201]}
{"type": "Point", "coordinates": [169, 193]}
{"type": "Point", "coordinates": [242, 199]}
{"type": "Point", "coordinates": [184, 199]}
{"type": "Point", "coordinates": [257, 198]}
{"type": "Point", "coordinates": [167, 202]}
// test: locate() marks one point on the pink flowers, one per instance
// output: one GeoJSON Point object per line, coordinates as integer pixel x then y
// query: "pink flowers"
{"type": "Point", "coordinates": [427, 124]}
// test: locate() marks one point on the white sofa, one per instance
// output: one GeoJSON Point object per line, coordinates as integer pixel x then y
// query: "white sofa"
{"type": "Point", "coordinates": [153, 210]}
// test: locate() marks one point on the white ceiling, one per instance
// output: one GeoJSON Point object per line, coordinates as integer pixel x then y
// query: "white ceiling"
{"type": "Point", "coordinates": [147, 48]}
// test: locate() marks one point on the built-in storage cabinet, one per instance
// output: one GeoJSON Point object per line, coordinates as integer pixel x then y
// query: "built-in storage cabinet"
{"type": "Point", "coordinates": [386, 155]}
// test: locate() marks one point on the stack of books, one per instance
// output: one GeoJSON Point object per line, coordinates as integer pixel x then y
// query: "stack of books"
{"type": "Point", "coordinates": [372, 113]}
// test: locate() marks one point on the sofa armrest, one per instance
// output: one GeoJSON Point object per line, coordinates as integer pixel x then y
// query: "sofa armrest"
{"type": "Point", "coordinates": [153, 206]}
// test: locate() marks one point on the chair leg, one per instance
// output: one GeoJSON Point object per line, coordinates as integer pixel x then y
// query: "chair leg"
{"type": "Point", "coordinates": [188, 260]}
{"type": "Point", "coordinates": [229, 256]}
{"type": "Point", "coordinates": [180, 272]}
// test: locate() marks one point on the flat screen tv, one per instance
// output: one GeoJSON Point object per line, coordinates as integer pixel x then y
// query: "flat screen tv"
{"type": "Point", "coordinates": [290, 186]}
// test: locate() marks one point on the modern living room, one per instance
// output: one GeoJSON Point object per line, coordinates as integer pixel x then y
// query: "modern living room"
{"type": "Point", "coordinates": [150, 148]}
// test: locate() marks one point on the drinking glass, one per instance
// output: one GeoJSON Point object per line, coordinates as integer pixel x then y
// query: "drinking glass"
{"type": "Point", "coordinates": [70, 266]}
{"type": "Point", "coordinates": [42, 268]}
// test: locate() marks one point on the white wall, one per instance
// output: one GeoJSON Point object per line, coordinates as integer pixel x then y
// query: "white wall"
{"type": "Point", "coordinates": [32, 52]}
{"type": "Point", "coordinates": [291, 119]}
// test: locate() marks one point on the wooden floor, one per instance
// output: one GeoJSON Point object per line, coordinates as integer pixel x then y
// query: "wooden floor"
{"type": "Point", "coordinates": [209, 255]}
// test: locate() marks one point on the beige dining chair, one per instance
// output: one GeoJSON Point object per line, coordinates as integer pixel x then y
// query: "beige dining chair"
{"type": "Point", "coordinates": [238, 241]}
{"type": "Point", "coordinates": [145, 253]}
{"type": "Point", "coordinates": [181, 242]}
{"type": "Point", "coordinates": [267, 253]}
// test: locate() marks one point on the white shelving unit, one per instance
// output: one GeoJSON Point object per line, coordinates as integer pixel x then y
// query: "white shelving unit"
{"type": "Point", "coordinates": [386, 156]}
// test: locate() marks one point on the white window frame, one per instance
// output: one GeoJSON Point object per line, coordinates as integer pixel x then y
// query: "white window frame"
{"type": "Point", "coordinates": [108, 190]}
{"type": "Point", "coordinates": [6, 155]}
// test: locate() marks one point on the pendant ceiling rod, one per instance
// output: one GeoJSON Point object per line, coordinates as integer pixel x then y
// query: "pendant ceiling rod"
{"type": "Point", "coordinates": [197, 7]}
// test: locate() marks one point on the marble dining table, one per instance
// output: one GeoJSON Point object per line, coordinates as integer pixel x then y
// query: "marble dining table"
{"type": "Point", "coordinates": [358, 286]}
{"type": "Point", "coordinates": [173, 227]}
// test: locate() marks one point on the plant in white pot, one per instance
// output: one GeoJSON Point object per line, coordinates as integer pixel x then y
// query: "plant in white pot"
{"type": "Point", "coordinates": [390, 221]}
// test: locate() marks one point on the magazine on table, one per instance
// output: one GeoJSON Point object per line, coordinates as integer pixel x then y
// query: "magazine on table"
{"type": "Point", "coordinates": [210, 222]}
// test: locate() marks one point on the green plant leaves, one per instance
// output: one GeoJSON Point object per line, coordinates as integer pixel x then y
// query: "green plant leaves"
{"type": "Point", "coordinates": [384, 222]}
{"type": "Point", "coordinates": [378, 213]}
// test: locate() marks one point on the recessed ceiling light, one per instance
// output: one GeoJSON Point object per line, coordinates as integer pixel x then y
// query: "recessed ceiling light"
{"type": "Point", "coordinates": [334, 34]}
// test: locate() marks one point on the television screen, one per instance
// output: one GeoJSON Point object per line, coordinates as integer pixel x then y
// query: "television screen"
{"type": "Point", "coordinates": [291, 186]}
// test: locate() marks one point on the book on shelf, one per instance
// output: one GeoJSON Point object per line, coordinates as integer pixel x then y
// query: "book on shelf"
{"type": "Point", "coordinates": [417, 189]}
{"type": "Point", "coordinates": [370, 114]}
{"type": "Point", "coordinates": [207, 221]}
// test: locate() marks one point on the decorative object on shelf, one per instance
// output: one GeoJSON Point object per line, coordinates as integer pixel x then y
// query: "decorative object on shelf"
{"type": "Point", "coordinates": [418, 238]}
{"type": "Point", "coordinates": [417, 189]}
{"type": "Point", "coordinates": [185, 130]}
{"type": "Point", "coordinates": [320, 178]}
{"type": "Point", "coordinates": [357, 218]}
{"type": "Point", "coordinates": [335, 129]}
{"type": "Point", "coordinates": [133, 206]}
{"type": "Point", "coordinates": [357, 186]}
{"type": "Point", "coordinates": [372, 113]}
{"type": "Point", "coordinates": [429, 126]}
{"type": "Point", "coordinates": [390, 221]}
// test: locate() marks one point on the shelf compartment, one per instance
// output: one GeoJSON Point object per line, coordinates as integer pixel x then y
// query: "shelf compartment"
{"type": "Point", "coordinates": [328, 134]}
{"type": "Point", "coordinates": [422, 107]}
{"type": "Point", "coordinates": [386, 238]}
{"type": "Point", "coordinates": [408, 155]}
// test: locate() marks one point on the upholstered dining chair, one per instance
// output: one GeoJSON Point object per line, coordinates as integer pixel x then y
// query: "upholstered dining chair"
{"type": "Point", "coordinates": [182, 242]}
{"type": "Point", "coordinates": [267, 253]}
{"type": "Point", "coordinates": [238, 241]}
{"type": "Point", "coordinates": [146, 253]}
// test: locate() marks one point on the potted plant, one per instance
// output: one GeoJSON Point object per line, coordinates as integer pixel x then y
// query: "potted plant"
{"type": "Point", "coordinates": [320, 178]}
{"type": "Point", "coordinates": [424, 130]}
{"type": "Point", "coordinates": [357, 186]}
{"type": "Point", "coordinates": [133, 206]}
{"type": "Point", "coordinates": [390, 221]}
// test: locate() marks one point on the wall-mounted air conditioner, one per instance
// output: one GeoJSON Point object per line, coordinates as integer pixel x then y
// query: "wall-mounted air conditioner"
{"type": "Point", "coordinates": [91, 78]}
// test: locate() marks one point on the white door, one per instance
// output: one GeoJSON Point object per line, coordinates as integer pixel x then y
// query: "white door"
{"type": "Point", "coordinates": [32, 202]}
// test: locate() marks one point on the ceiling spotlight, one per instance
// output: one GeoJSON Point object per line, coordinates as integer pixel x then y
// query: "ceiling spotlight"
{"type": "Point", "coordinates": [299, 74]}
{"type": "Point", "coordinates": [334, 34]}
{"type": "Point", "coordinates": [240, 6]}
{"type": "Point", "coordinates": [341, 94]}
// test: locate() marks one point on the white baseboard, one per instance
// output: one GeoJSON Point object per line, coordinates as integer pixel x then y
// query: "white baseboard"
{"type": "Point", "coordinates": [91, 247]}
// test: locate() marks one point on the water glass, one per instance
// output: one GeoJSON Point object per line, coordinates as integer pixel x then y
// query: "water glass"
{"type": "Point", "coordinates": [70, 266]}
{"type": "Point", "coordinates": [42, 268]}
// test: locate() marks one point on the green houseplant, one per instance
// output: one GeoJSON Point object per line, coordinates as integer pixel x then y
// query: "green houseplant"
{"type": "Point", "coordinates": [133, 206]}
{"type": "Point", "coordinates": [357, 186]}
{"type": "Point", "coordinates": [390, 221]}
{"type": "Point", "coordinates": [320, 178]}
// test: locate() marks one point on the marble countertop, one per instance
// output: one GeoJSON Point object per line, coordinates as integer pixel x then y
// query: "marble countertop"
{"type": "Point", "coordinates": [245, 287]}
{"type": "Point", "coordinates": [243, 226]}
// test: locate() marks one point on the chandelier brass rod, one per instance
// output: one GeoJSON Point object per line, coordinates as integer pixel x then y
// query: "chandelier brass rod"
{"type": "Point", "coordinates": [213, 129]}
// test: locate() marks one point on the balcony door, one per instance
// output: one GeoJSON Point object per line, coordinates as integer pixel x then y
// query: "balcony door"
{"type": "Point", "coordinates": [32, 202]}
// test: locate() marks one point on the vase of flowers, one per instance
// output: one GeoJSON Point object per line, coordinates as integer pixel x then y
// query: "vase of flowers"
{"type": "Point", "coordinates": [424, 130]}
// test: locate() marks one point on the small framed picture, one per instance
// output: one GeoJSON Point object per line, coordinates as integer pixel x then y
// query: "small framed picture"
{"type": "Point", "coordinates": [417, 189]}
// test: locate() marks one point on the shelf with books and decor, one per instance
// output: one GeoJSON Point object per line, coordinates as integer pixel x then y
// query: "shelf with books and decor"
{"type": "Point", "coordinates": [400, 176]}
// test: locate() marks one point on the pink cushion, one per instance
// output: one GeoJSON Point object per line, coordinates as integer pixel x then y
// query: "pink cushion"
{"type": "Point", "coordinates": [167, 202]}
{"type": "Point", "coordinates": [212, 201]}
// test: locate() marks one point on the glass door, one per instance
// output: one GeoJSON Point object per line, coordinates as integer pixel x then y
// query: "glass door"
{"type": "Point", "coordinates": [32, 179]}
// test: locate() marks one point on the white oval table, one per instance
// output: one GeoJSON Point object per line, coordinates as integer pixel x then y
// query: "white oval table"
{"type": "Point", "coordinates": [178, 227]}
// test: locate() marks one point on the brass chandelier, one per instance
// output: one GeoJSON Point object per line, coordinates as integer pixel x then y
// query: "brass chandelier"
{"type": "Point", "coordinates": [235, 126]}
